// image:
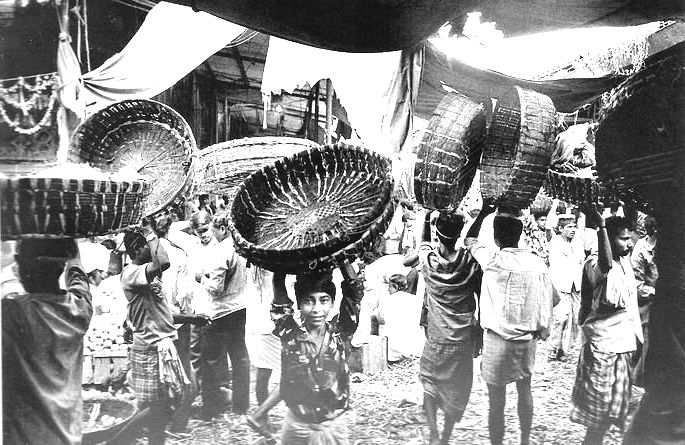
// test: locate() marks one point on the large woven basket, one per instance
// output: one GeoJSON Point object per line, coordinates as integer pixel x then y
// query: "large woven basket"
{"type": "Point", "coordinates": [146, 136]}
{"type": "Point", "coordinates": [518, 148]}
{"type": "Point", "coordinates": [576, 190]}
{"type": "Point", "coordinates": [641, 128]}
{"type": "Point", "coordinates": [34, 207]}
{"type": "Point", "coordinates": [224, 166]}
{"type": "Point", "coordinates": [449, 152]}
{"type": "Point", "coordinates": [121, 410]}
{"type": "Point", "coordinates": [311, 210]}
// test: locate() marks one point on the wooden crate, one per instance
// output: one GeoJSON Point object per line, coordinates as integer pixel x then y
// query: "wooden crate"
{"type": "Point", "coordinates": [100, 368]}
{"type": "Point", "coordinates": [371, 357]}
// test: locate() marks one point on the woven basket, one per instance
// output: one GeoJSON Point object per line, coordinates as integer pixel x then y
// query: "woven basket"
{"type": "Point", "coordinates": [576, 190]}
{"type": "Point", "coordinates": [306, 210]}
{"type": "Point", "coordinates": [224, 166]}
{"type": "Point", "coordinates": [449, 152]}
{"type": "Point", "coordinates": [117, 408]}
{"type": "Point", "coordinates": [542, 202]}
{"type": "Point", "coordinates": [641, 129]}
{"type": "Point", "coordinates": [35, 207]}
{"type": "Point", "coordinates": [144, 135]}
{"type": "Point", "coordinates": [518, 148]}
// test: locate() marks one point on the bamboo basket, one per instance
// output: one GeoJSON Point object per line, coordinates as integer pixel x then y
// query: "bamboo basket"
{"type": "Point", "coordinates": [313, 209]}
{"type": "Point", "coordinates": [518, 148]}
{"type": "Point", "coordinates": [641, 130]}
{"type": "Point", "coordinates": [449, 152]}
{"type": "Point", "coordinates": [35, 207]}
{"type": "Point", "coordinates": [146, 136]}
{"type": "Point", "coordinates": [224, 166]}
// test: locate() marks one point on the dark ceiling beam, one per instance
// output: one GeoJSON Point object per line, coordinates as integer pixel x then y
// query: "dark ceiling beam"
{"type": "Point", "coordinates": [228, 52]}
{"type": "Point", "coordinates": [241, 66]}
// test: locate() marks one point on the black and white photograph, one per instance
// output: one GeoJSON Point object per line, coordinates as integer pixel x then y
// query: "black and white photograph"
{"type": "Point", "coordinates": [342, 222]}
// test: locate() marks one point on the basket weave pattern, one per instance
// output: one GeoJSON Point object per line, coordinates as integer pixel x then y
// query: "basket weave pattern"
{"type": "Point", "coordinates": [518, 148]}
{"type": "Point", "coordinates": [449, 152]}
{"type": "Point", "coordinates": [224, 166]}
{"type": "Point", "coordinates": [574, 189]}
{"type": "Point", "coordinates": [641, 131]}
{"type": "Point", "coordinates": [146, 136]}
{"type": "Point", "coordinates": [48, 207]}
{"type": "Point", "coordinates": [304, 210]}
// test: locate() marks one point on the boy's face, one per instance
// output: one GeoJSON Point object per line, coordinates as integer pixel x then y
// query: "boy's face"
{"type": "Point", "coordinates": [204, 232]}
{"type": "Point", "coordinates": [568, 231]}
{"type": "Point", "coordinates": [314, 309]}
{"type": "Point", "coordinates": [220, 233]}
{"type": "Point", "coordinates": [542, 222]}
{"type": "Point", "coordinates": [622, 244]}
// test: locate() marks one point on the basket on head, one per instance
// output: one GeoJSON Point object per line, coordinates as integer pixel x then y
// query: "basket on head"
{"type": "Point", "coordinates": [36, 207]}
{"type": "Point", "coordinates": [143, 135]}
{"type": "Point", "coordinates": [449, 152]}
{"type": "Point", "coordinates": [518, 148]}
{"type": "Point", "coordinates": [224, 166]}
{"type": "Point", "coordinates": [312, 209]}
{"type": "Point", "coordinates": [641, 130]}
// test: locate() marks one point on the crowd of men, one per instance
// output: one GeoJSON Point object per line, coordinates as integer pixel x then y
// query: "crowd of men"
{"type": "Point", "coordinates": [193, 304]}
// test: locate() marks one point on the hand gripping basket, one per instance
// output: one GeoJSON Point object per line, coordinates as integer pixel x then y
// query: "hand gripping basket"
{"type": "Point", "coordinates": [449, 152]}
{"type": "Point", "coordinates": [34, 207]}
{"type": "Point", "coordinates": [146, 136]}
{"type": "Point", "coordinates": [518, 148]}
{"type": "Point", "coordinates": [224, 166]}
{"type": "Point", "coordinates": [313, 209]}
{"type": "Point", "coordinates": [641, 129]}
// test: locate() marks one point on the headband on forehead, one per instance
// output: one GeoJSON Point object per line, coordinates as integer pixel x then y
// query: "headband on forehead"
{"type": "Point", "coordinates": [307, 284]}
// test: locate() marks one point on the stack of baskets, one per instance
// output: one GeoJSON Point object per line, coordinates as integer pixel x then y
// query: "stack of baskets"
{"type": "Point", "coordinates": [224, 166]}
{"type": "Point", "coordinates": [449, 153]}
{"type": "Point", "coordinates": [59, 205]}
{"type": "Point", "coordinates": [313, 210]}
{"type": "Point", "coordinates": [145, 136]}
{"type": "Point", "coordinates": [641, 130]}
{"type": "Point", "coordinates": [518, 148]}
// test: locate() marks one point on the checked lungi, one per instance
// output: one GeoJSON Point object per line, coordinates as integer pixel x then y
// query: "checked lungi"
{"type": "Point", "coordinates": [329, 432]}
{"type": "Point", "coordinates": [601, 393]}
{"type": "Point", "coordinates": [446, 373]}
{"type": "Point", "coordinates": [506, 361]}
{"type": "Point", "coordinates": [145, 379]}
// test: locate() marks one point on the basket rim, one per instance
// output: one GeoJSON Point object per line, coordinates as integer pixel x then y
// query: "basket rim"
{"type": "Point", "coordinates": [250, 249]}
{"type": "Point", "coordinates": [190, 148]}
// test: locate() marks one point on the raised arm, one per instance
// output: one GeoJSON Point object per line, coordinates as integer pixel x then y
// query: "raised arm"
{"type": "Point", "coordinates": [604, 254]}
{"type": "Point", "coordinates": [160, 259]}
{"type": "Point", "coordinates": [474, 230]}
{"type": "Point", "coordinates": [350, 305]}
{"type": "Point", "coordinates": [412, 259]}
{"type": "Point", "coordinates": [281, 307]}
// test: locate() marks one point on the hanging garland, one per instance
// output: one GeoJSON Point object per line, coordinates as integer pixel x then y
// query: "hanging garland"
{"type": "Point", "coordinates": [36, 101]}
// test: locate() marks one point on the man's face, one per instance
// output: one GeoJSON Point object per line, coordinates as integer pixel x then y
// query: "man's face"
{"type": "Point", "coordinates": [143, 253]}
{"type": "Point", "coordinates": [314, 309]}
{"type": "Point", "coordinates": [650, 227]}
{"type": "Point", "coordinates": [542, 222]}
{"type": "Point", "coordinates": [622, 244]}
{"type": "Point", "coordinates": [204, 232]}
{"type": "Point", "coordinates": [568, 231]}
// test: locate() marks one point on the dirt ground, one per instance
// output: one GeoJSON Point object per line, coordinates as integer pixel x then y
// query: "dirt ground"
{"type": "Point", "coordinates": [386, 410]}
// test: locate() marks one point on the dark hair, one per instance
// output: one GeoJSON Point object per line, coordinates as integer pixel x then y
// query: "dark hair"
{"type": "Point", "coordinates": [161, 225]}
{"type": "Point", "coordinates": [199, 218]}
{"type": "Point", "coordinates": [398, 280]}
{"type": "Point", "coordinates": [449, 225]}
{"type": "Point", "coordinates": [306, 284]}
{"type": "Point", "coordinates": [616, 224]}
{"type": "Point", "coordinates": [507, 230]}
{"type": "Point", "coordinates": [133, 241]}
{"type": "Point", "coordinates": [36, 274]}
{"type": "Point", "coordinates": [221, 219]}
{"type": "Point", "coordinates": [537, 214]}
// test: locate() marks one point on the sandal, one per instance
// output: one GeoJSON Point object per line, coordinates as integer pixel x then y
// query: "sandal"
{"type": "Point", "coordinates": [261, 429]}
